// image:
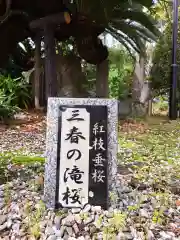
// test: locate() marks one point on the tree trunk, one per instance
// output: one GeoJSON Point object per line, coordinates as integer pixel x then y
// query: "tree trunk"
{"type": "Point", "coordinates": [37, 72]}
{"type": "Point", "coordinates": [50, 63]}
{"type": "Point", "coordinates": [102, 85]}
{"type": "Point", "coordinates": [70, 76]}
{"type": "Point", "coordinates": [150, 108]}
{"type": "Point", "coordinates": [140, 89]}
{"type": "Point", "coordinates": [138, 79]}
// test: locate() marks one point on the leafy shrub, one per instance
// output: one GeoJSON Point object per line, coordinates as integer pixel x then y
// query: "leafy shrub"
{"type": "Point", "coordinates": [17, 90]}
{"type": "Point", "coordinates": [118, 84]}
{"type": "Point", "coordinates": [120, 73]}
{"type": "Point", "coordinates": [6, 109]}
{"type": "Point", "coordinates": [161, 105]}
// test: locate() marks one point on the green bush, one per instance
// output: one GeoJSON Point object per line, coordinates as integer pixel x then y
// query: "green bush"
{"type": "Point", "coordinates": [160, 73]}
{"type": "Point", "coordinates": [120, 73]}
{"type": "Point", "coordinates": [18, 91]}
{"type": "Point", "coordinates": [6, 109]}
{"type": "Point", "coordinates": [119, 83]}
{"type": "Point", "coordinates": [162, 105]}
{"type": "Point", "coordinates": [121, 67]}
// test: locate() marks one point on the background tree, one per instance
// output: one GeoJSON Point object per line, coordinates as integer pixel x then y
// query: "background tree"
{"type": "Point", "coordinates": [160, 72]}
{"type": "Point", "coordinates": [126, 21]}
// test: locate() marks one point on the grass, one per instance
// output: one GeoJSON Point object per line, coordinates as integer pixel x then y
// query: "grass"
{"type": "Point", "coordinates": [12, 162]}
{"type": "Point", "coordinates": [155, 147]}
{"type": "Point", "coordinates": [151, 149]}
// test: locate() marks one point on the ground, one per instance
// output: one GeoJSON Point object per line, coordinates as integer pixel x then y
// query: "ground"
{"type": "Point", "coordinates": [26, 133]}
{"type": "Point", "coordinates": [147, 201]}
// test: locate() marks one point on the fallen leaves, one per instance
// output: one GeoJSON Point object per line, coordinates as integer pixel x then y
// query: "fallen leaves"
{"type": "Point", "coordinates": [29, 136]}
{"type": "Point", "coordinates": [152, 149]}
{"type": "Point", "coordinates": [131, 126]}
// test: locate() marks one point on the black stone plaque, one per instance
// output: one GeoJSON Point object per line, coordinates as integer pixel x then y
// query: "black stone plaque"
{"type": "Point", "coordinates": [98, 162]}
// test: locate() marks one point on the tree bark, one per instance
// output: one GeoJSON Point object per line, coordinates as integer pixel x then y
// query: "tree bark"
{"type": "Point", "coordinates": [150, 108]}
{"type": "Point", "coordinates": [102, 74]}
{"type": "Point", "coordinates": [37, 72]}
{"type": "Point", "coordinates": [140, 89]}
{"type": "Point", "coordinates": [70, 76]}
{"type": "Point", "coordinates": [50, 63]}
{"type": "Point", "coordinates": [138, 79]}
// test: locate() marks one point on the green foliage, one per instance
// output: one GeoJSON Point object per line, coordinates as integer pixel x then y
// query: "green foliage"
{"type": "Point", "coordinates": [7, 159]}
{"type": "Point", "coordinates": [26, 160]}
{"type": "Point", "coordinates": [160, 72]}
{"type": "Point", "coordinates": [6, 109]}
{"type": "Point", "coordinates": [114, 225]}
{"type": "Point", "coordinates": [162, 60]}
{"type": "Point", "coordinates": [34, 218]}
{"type": "Point", "coordinates": [163, 201]}
{"type": "Point", "coordinates": [111, 226]}
{"type": "Point", "coordinates": [161, 106]}
{"type": "Point", "coordinates": [157, 216]}
{"type": "Point", "coordinates": [162, 11]}
{"type": "Point", "coordinates": [66, 47]}
{"type": "Point", "coordinates": [17, 90]}
{"type": "Point", "coordinates": [126, 20]}
{"type": "Point", "coordinates": [120, 74]}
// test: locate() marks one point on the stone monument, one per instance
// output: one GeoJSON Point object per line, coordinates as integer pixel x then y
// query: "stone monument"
{"type": "Point", "coordinates": [81, 149]}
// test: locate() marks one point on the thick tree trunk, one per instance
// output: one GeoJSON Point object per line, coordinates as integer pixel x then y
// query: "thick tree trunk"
{"type": "Point", "coordinates": [37, 72]}
{"type": "Point", "coordinates": [102, 85]}
{"type": "Point", "coordinates": [138, 80]}
{"type": "Point", "coordinates": [140, 89]}
{"type": "Point", "coordinates": [70, 76]}
{"type": "Point", "coordinates": [50, 63]}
